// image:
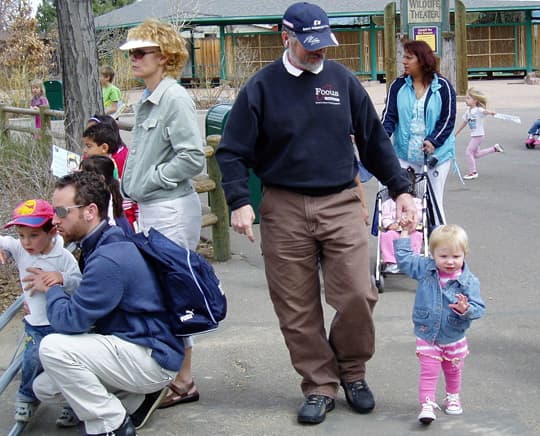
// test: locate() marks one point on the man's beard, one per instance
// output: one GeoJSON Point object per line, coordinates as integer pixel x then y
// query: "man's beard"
{"type": "Point", "coordinates": [307, 66]}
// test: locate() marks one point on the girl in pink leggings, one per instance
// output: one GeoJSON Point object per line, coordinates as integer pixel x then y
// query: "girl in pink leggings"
{"type": "Point", "coordinates": [447, 300]}
{"type": "Point", "coordinates": [476, 103]}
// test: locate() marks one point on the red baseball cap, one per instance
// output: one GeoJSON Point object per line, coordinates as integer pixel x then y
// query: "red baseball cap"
{"type": "Point", "coordinates": [31, 213]}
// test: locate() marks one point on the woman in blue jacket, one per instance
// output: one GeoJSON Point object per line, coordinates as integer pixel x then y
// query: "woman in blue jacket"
{"type": "Point", "coordinates": [420, 112]}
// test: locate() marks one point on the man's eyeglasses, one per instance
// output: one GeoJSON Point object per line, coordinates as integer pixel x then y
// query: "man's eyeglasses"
{"type": "Point", "coordinates": [63, 211]}
{"type": "Point", "coordinates": [139, 53]}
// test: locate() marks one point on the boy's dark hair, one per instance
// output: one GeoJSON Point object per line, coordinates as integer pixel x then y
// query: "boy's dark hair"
{"type": "Point", "coordinates": [108, 121]}
{"type": "Point", "coordinates": [89, 188]}
{"type": "Point", "coordinates": [108, 72]}
{"type": "Point", "coordinates": [103, 134]}
{"type": "Point", "coordinates": [104, 166]}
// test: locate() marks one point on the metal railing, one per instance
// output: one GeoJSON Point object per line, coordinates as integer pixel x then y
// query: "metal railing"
{"type": "Point", "coordinates": [16, 362]}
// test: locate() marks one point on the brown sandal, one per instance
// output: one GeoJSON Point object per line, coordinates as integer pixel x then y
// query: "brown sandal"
{"type": "Point", "coordinates": [176, 396]}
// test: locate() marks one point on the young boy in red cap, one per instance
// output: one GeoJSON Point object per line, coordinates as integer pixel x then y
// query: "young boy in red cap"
{"type": "Point", "coordinates": [38, 246]}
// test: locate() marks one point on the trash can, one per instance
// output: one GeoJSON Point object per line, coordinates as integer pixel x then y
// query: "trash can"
{"type": "Point", "coordinates": [55, 94]}
{"type": "Point", "coordinates": [216, 118]}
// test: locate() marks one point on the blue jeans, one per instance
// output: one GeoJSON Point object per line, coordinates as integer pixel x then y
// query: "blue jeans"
{"type": "Point", "coordinates": [535, 128]}
{"type": "Point", "coordinates": [31, 365]}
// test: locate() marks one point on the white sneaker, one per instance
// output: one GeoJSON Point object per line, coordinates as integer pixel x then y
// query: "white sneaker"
{"type": "Point", "coordinates": [471, 176]}
{"type": "Point", "coordinates": [453, 404]}
{"type": "Point", "coordinates": [24, 411]}
{"type": "Point", "coordinates": [67, 418]}
{"type": "Point", "coordinates": [427, 413]}
{"type": "Point", "coordinates": [498, 148]}
{"type": "Point", "coordinates": [391, 268]}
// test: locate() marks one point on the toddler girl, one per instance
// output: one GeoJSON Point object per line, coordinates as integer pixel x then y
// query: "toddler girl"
{"type": "Point", "coordinates": [447, 300]}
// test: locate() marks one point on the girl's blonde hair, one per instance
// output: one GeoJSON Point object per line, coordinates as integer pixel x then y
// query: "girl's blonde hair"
{"type": "Point", "coordinates": [171, 44]}
{"type": "Point", "coordinates": [37, 83]}
{"type": "Point", "coordinates": [450, 235]}
{"type": "Point", "coordinates": [481, 99]}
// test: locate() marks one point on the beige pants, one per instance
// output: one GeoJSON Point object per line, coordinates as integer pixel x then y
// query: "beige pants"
{"type": "Point", "coordinates": [100, 377]}
{"type": "Point", "coordinates": [297, 233]}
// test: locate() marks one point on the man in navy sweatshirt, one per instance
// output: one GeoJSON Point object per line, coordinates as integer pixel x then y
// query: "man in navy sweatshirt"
{"type": "Point", "coordinates": [292, 124]}
{"type": "Point", "coordinates": [114, 353]}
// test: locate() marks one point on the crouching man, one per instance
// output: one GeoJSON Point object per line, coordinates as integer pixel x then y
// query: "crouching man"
{"type": "Point", "coordinates": [114, 353]}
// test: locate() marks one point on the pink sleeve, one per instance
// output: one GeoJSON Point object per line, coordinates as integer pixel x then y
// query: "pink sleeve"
{"type": "Point", "coordinates": [388, 212]}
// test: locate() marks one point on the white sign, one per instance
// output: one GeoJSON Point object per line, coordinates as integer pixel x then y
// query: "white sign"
{"type": "Point", "coordinates": [64, 161]}
{"type": "Point", "coordinates": [424, 11]}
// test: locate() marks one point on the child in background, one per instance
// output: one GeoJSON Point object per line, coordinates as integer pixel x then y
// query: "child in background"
{"type": "Point", "coordinates": [105, 166]}
{"type": "Point", "coordinates": [38, 99]}
{"type": "Point", "coordinates": [111, 94]}
{"type": "Point", "coordinates": [534, 132]}
{"type": "Point", "coordinates": [447, 300]}
{"type": "Point", "coordinates": [130, 207]}
{"type": "Point", "coordinates": [101, 140]}
{"type": "Point", "coordinates": [476, 103]}
{"type": "Point", "coordinates": [121, 153]}
{"type": "Point", "coordinates": [40, 247]}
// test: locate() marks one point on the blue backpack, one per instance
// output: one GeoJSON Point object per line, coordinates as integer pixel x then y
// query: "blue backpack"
{"type": "Point", "coordinates": [190, 287]}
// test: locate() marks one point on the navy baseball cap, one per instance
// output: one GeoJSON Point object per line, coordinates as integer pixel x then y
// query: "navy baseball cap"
{"type": "Point", "coordinates": [311, 26]}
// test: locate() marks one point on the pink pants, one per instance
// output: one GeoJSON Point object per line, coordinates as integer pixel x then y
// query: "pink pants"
{"type": "Point", "coordinates": [474, 152]}
{"type": "Point", "coordinates": [387, 244]}
{"type": "Point", "coordinates": [433, 357]}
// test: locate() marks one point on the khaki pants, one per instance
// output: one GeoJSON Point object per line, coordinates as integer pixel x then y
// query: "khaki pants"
{"type": "Point", "coordinates": [297, 232]}
{"type": "Point", "coordinates": [101, 377]}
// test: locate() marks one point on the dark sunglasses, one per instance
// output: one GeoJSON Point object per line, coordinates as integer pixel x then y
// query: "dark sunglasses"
{"type": "Point", "coordinates": [139, 53]}
{"type": "Point", "coordinates": [63, 211]}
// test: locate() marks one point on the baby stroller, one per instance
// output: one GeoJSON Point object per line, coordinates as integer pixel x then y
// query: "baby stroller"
{"type": "Point", "coordinates": [427, 211]}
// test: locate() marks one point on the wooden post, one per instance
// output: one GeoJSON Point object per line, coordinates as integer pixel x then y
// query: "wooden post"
{"type": "Point", "coordinates": [448, 61]}
{"type": "Point", "coordinates": [216, 198]}
{"type": "Point", "coordinates": [4, 132]}
{"type": "Point", "coordinates": [460, 19]}
{"type": "Point", "coordinates": [45, 137]}
{"type": "Point", "coordinates": [390, 61]}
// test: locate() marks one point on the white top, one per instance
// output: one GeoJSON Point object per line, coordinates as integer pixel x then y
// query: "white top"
{"type": "Point", "coordinates": [475, 119]}
{"type": "Point", "coordinates": [58, 259]}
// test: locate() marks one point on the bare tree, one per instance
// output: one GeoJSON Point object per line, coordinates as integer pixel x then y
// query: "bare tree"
{"type": "Point", "coordinates": [80, 72]}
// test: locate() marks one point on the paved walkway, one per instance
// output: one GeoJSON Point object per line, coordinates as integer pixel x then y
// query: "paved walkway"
{"type": "Point", "coordinates": [243, 372]}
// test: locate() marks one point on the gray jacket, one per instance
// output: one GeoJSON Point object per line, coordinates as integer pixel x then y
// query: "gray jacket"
{"type": "Point", "coordinates": [167, 146]}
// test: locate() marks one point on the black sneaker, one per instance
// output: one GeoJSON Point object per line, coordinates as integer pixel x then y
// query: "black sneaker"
{"type": "Point", "coordinates": [359, 396]}
{"type": "Point", "coordinates": [145, 410]}
{"type": "Point", "coordinates": [314, 408]}
{"type": "Point", "coordinates": [126, 429]}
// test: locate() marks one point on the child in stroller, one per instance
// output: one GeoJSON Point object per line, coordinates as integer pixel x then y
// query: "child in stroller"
{"type": "Point", "coordinates": [392, 231]}
{"type": "Point", "coordinates": [387, 229]}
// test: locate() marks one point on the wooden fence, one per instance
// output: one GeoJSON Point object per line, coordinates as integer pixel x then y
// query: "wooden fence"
{"type": "Point", "coordinates": [218, 214]}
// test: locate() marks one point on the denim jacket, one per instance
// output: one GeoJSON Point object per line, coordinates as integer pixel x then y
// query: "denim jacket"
{"type": "Point", "coordinates": [433, 320]}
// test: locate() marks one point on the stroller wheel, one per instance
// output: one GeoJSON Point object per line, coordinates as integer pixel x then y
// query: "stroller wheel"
{"type": "Point", "coordinates": [380, 284]}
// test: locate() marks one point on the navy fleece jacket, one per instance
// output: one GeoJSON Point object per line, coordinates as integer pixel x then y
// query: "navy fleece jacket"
{"type": "Point", "coordinates": [119, 295]}
{"type": "Point", "coordinates": [295, 134]}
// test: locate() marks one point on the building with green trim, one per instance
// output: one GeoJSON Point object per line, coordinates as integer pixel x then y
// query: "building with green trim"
{"type": "Point", "coordinates": [234, 37]}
